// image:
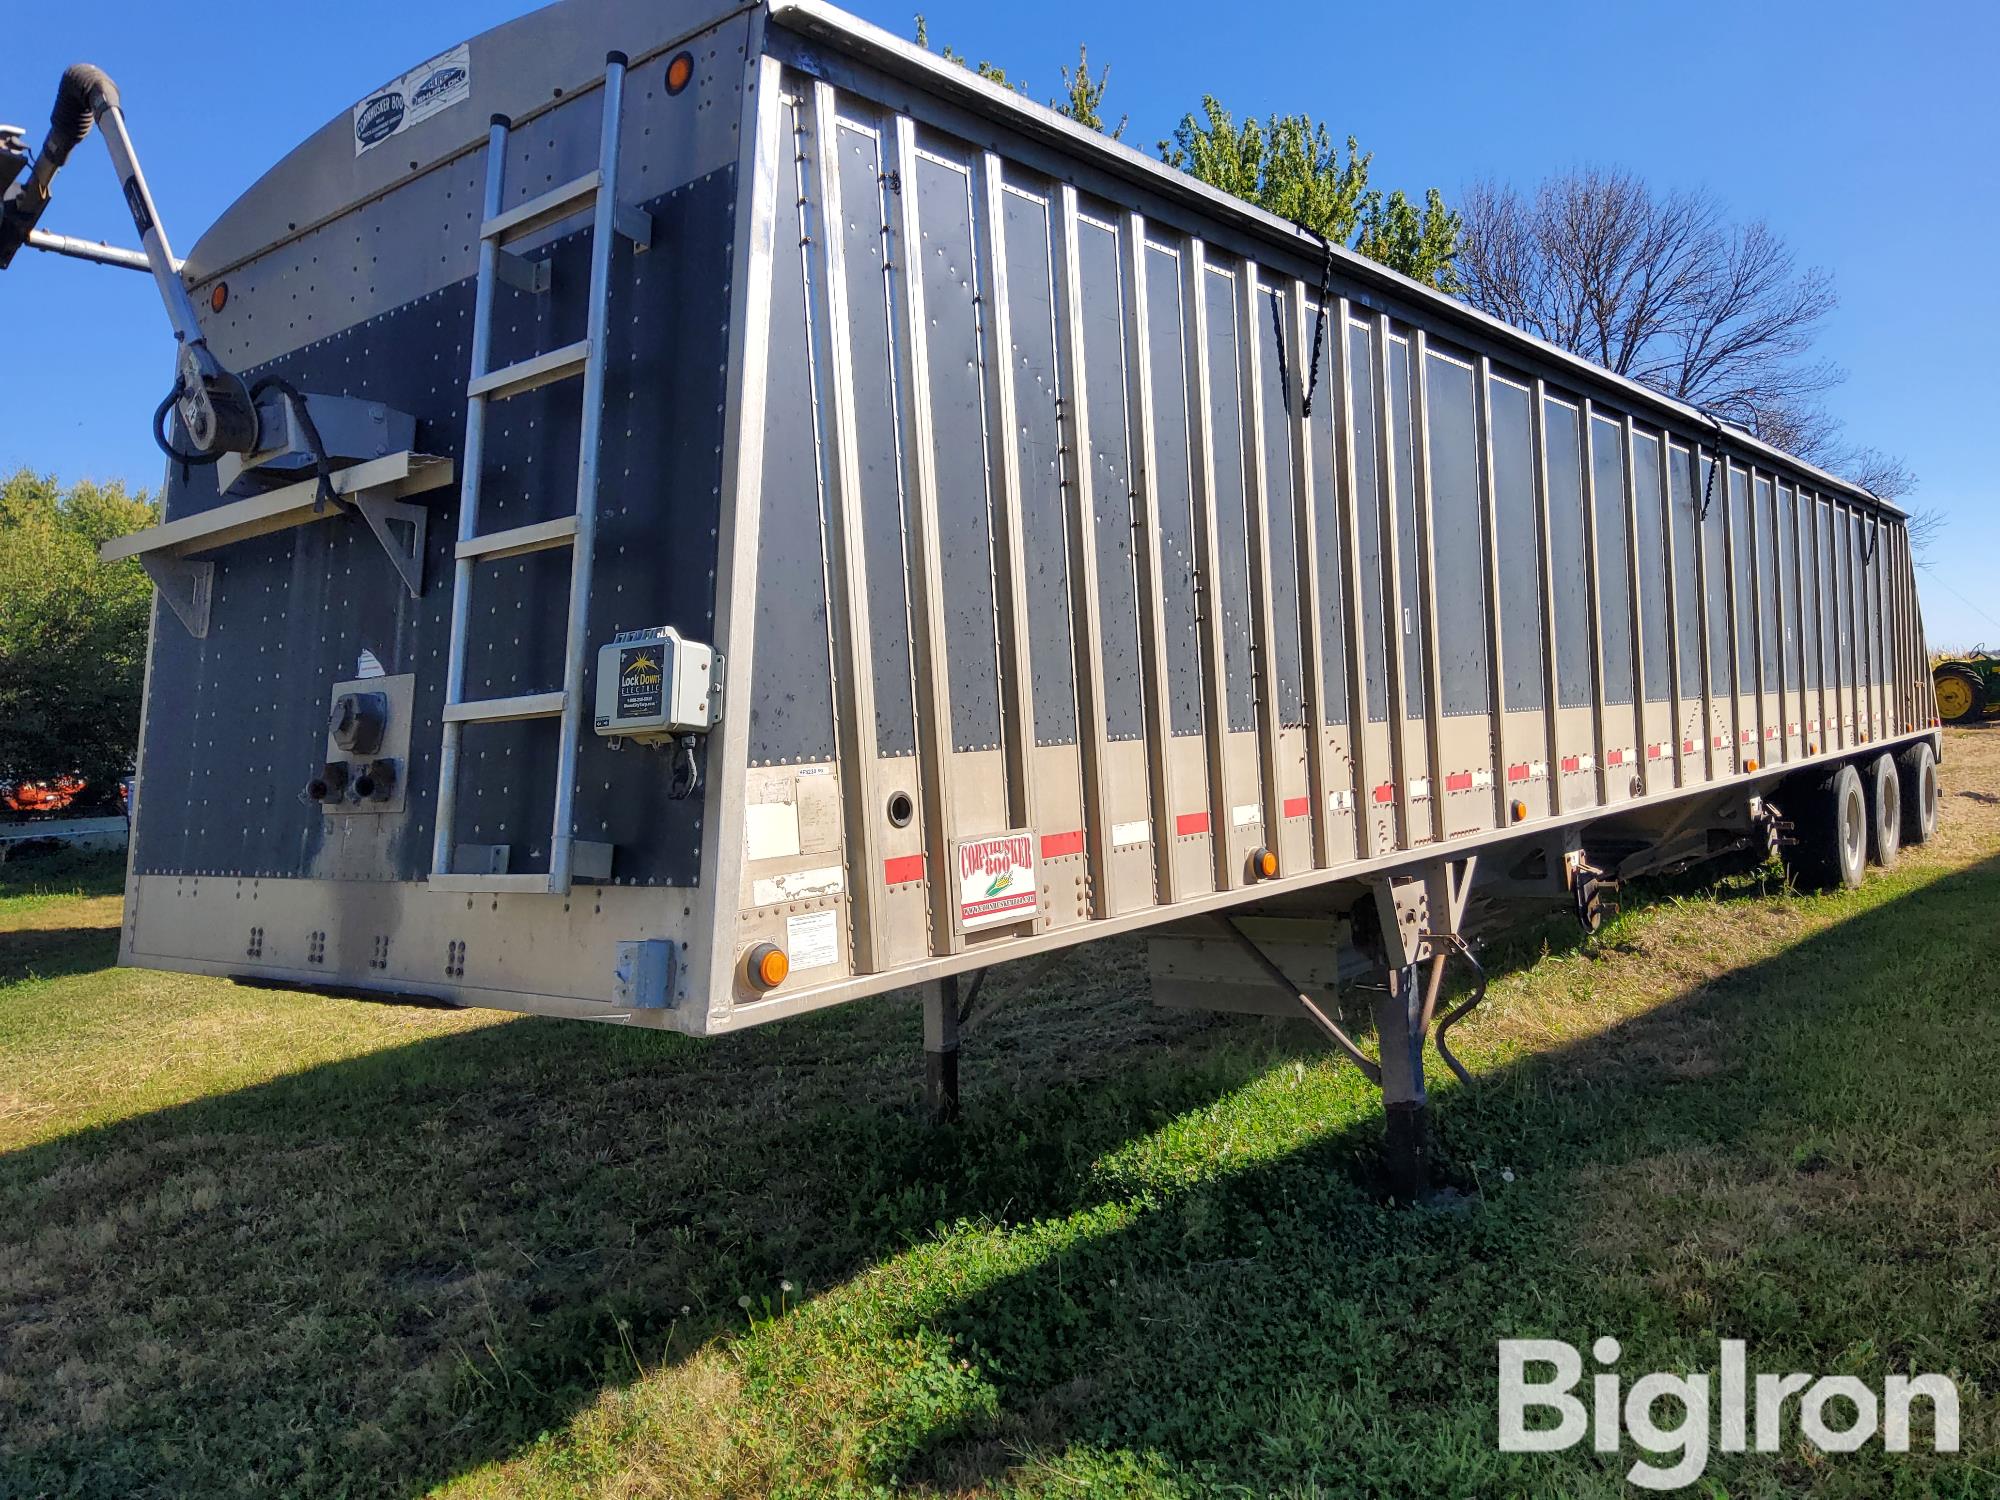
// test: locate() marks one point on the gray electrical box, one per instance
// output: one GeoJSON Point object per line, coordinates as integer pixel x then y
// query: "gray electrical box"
{"type": "Point", "coordinates": [651, 684]}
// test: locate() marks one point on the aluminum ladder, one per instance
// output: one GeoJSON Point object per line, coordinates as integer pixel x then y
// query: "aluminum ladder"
{"type": "Point", "coordinates": [569, 858]}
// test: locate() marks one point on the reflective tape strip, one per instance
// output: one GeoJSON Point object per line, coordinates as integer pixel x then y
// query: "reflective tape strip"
{"type": "Point", "coordinates": [1657, 750]}
{"type": "Point", "coordinates": [1297, 807]}
{"type": "Point", "coordinates": [1340, 801]}
{"type": "Point", "coordinates": [1458, 781]}
{"type": "Point", "coordinates": [1125, 835]}
{"type": "Point", "coordinates": [1246, 814]}
{"type": "Point", "coordinates": [1420, 787]}
{"type": "Point", "coordinates": [1614, 757]}
{"type": "Point", "coordinates": [1386, 792]}
{"type": "Point", "coordinates": [903, 869]}
{"type": "Point", "coordinates": [1191, 823]}
{"type": "Point", "coordinates": [1519, 771]}
{"type": "Point", "coordinates": [1058, 845]}
{"type": "Point", "coordinates": [1482, 781]}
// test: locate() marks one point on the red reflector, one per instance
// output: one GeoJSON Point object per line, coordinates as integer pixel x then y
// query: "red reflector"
{"type": "Point", "coordinates": [1056, 845]}
{"type": "Point", "coordinates": [1518, 771]}
{"type": "Point", "coordinates": [1188, 823]}
{"type": "Point", "coordinates": [1572, 763]}
{"type": "Point", "coordinates": [1297, 807]}
{"type": "Point", "coordinates": [903, 868]}
{"type": "Point", "coordinates": [1458, 781]}
{"type": "Point", "coordinates": [1614, 757]}
{"type": "Point", "coordinates": [1386, 792]}
{"type": "Point", "coordinates": [1687, 747]}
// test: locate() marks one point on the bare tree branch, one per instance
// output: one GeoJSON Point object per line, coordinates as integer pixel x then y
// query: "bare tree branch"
{"type": "Point", "coordinates": [1661, 288]}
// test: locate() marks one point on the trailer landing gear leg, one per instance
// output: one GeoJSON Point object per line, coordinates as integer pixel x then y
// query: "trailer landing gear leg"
{"type": "Point", "coordinates": [1405, 1107]}
{"type": "Point", "coordinates": [941, 1050]}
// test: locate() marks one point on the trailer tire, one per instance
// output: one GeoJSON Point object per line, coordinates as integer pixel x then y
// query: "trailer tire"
{"type": "Point", "coordinates": [1885, 810]}
{"type": "Point", "coordinates": [1829, 816]}
{"type": "Point", "coordinates": [1917, 765]}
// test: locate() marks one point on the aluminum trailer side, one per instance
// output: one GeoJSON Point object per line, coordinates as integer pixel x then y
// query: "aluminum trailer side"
{"type": "Point", "coordinates": [976, 447]}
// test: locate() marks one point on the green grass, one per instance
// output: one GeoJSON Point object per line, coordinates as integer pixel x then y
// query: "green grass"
{"type": "Point", "coordinates": [259, 1243]}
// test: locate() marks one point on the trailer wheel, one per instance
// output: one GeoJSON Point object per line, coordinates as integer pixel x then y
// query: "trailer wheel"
{"type": "Point", "coordinates": [1829, 817]}
{"type": "Point", "coordinates": [1917, 766]}
{"type": "Point", "coordinates": [1885, 810]}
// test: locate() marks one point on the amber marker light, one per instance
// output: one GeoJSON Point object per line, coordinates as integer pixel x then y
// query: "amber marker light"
{"type": "Point", "coordinates": [1266, 861]}
{"type": "Point", "coordinates": [1749, 765]}
{"type": "Point", "coordinates": [768, 966]}
{"type": "Point", "coordinates": [218, 296]}
{"type": "Point", "coordinates": [680, 71]}
{"type": "Point", "coordinates": [1520, 811]}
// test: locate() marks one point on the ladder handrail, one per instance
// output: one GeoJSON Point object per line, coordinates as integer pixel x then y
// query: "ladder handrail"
{"type": "Point", "coordinates": [576, 642]}
{"type": "Point", "coordinates": [444, 835]}
{"type": "Point", "coordinates": [605, 223]}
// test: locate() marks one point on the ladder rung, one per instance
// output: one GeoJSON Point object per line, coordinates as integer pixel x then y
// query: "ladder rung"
{"type": "Point", "coordinates": [539, 537]}
{"type": "Point", "coordinates": [495, 883]}
{"type": "Point", "coordinates": [543, 369]}
{"type": "Point", "coordinates": [500, 710]}
{"type": "Point", "coordinates": [544, 209]}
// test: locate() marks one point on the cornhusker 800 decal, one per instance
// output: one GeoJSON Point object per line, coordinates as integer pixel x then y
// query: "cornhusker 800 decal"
{"type": "Point", "coordinates": [996, 880]}
{"type": "Point", "coordinates": [420, 93]}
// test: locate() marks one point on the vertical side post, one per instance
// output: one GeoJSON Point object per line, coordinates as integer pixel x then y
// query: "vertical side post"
{"type": "Point", "coordinates": [1420, 440]}
{"type": "Point", "coordinates": [1634, 598]}
{"type": "Point", "coordinates": [1677, 707]}
{"type": "Point", "coordinates": [1489, 538]}
{"type": "Point", "coordinates": [1730, 602]}
{"type": "Point", "coordinates": [1393, 604]}
{"type": "Point", "coordinates": [1701, 594]}
{"type": "Point", "coordinates": [940, 1001]}
{"type": "Point", "coordinates": [934, 745]}
{"type": "Point", "coordinates": [854, 678]}
{"type": "Point", "coordinates": [1586, 415]}
{"type": "Point", "coordinates": [1347, 482]}
{"type": "Point", "coordinates": [1538, 422]}
{"type": "Point", "coordinates": [1146, 541]}
{"type": "Point", "coordinates": [1758, 645]}
{"type": "Point", "coordinates": [1017, 704]}
{"type": "Point", "coordinates": [1208, 570]}
{"type": "Point", "coordinates": [1079, 507]}
{"type": "Point", "coordinates": [1257, 504]}
{"type": "Point", "coordinates": [1305, 544]}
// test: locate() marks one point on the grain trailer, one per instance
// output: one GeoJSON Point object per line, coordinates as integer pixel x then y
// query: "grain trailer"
{"type": "Point", "coordinates": [686, 514]}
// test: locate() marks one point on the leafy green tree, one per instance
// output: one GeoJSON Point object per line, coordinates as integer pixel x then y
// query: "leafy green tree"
{"type": "Point", "coordinates": [1084, 103]}
{"type": "Point", "coordinates": [991, 72]}
{"type": "Point", "coordinates": [1292, 168]}
{"type": "Point", "coordinates": [72, 631]}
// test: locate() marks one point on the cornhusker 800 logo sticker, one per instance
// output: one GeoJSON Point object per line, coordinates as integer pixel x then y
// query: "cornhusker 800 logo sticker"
{"type": "Point", "coordinates": [996, 880]}
{"type": "Point", "coordinates": [417, 95]}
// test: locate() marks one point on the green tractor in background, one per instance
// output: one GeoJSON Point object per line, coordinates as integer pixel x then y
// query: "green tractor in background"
{"type": "Point", "coordinates": [1968, 686]}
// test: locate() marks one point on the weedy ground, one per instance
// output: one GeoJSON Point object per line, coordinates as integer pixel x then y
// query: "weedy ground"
{"type": "Point", "coordinates": [258, 1243]}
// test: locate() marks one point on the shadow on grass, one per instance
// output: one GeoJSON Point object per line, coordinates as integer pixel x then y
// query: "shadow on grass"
{"type": "Point", "coordinates": [51, 952]}
{"type": "Point", "coordinates": [377, 1274]}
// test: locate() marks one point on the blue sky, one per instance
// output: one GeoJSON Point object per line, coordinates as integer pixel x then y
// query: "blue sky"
{"type": "Point", "coordinates": [1864, 133]}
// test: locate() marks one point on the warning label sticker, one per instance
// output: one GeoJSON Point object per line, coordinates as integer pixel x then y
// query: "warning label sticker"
{"type": "Point", "coordinates": [425, 90]}
{"type": "Point", "coordinates": [996, 880]}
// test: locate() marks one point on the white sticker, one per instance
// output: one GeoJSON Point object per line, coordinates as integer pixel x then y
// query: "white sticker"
{"type": "Point", "coordinates": [1124, 835]}
{"type": "Point", "coordinates": [1246, 814]}
{"type": "Point", "coordinates": [799, 885]}
{"type": "Point", "coordinates": [996, 880]}
{"type": "Point", "coordinates": [770, 830]}
{"type": "Point", "coordinates": [812, 941]}
{"type": "Point", "coordinates": [420, 93]}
